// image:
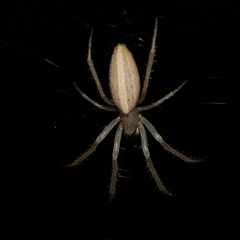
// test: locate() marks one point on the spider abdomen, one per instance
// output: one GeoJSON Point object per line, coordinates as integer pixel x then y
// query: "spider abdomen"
{"type": "Point", "coordinates": [124, 79]}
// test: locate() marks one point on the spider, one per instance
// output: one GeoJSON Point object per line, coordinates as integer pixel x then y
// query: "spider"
{"type": "Point", "coordinates": [125, 91]}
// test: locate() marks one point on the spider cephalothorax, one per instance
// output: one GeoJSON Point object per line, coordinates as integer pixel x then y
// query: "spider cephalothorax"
{"type": "Point", "coordinates": [130, 121]}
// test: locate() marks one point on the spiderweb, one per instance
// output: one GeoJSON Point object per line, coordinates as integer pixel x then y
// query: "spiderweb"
{"type": "Point", "coordinates": [46, 124]}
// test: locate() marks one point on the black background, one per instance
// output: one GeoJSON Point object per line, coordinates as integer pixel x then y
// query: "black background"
{"type": "Point", "coordinates": [46, 124]}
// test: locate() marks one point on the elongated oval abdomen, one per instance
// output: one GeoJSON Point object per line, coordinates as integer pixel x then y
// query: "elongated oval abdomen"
{"type": "Point", "coordinates": [124, 79]}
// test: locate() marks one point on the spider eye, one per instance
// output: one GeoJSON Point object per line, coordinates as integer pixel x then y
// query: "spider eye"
{"type": "Point", "coordinates": [130, 128]}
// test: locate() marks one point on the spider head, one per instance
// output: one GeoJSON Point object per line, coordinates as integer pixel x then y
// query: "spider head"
{"type": "Point", "coordinates": [130, 121]}
{"type": "Point", "coordinates": [129, 128]}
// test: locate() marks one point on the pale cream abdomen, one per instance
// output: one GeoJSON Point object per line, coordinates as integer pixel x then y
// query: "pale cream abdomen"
{"type": "Point", "coordinates": [124, 79]}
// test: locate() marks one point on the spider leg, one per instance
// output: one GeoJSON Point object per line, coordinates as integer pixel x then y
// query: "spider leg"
{"type": "Point", "coordinates": [103, 107]}
{"type": "Point", "coordinates": [152, 105]}
{"type": "Point", "coordinates": [149, 161]}
{"type": "Point", "coordinates": [115, 168]}
{"type": "Point", "coordinates": [102, 135]}
{"type": "Point", "coordinates": [149, 65]}
{"type": "Point", "coordinates": [94, 73]}
{"type": "Point", "coordinates": [157, 136]}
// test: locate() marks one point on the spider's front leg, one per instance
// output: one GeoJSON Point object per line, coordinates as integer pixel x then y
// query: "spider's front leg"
{"type": "Point", "coordinates": [158, 137]}
{"type": "Point", "coordinates": [102, 135]}
{"type": "Point", "coordinates": [149, 161]}
{"type": "Point", "coordinates": [116, 147]}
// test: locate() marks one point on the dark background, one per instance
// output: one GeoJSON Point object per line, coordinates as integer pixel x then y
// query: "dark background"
{"type": "Point", "coordinates": [46, 124]}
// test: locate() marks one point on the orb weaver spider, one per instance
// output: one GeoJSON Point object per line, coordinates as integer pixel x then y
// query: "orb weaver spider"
{"type": "Point", "coordinates": [125, 91]}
